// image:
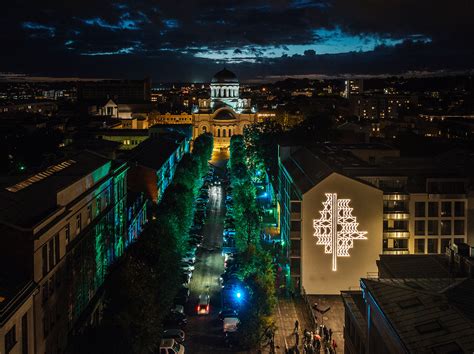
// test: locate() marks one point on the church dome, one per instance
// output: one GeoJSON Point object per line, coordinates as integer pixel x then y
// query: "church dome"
{"type": "Point", "coordinates": [225, 76]}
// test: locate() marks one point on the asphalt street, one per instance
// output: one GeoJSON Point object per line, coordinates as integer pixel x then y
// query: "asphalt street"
{"type": "Point", "coordinates": [204, 333]}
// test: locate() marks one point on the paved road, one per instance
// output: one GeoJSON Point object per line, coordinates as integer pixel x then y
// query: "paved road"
{"type": "Point", "coordinates": [204, 333]}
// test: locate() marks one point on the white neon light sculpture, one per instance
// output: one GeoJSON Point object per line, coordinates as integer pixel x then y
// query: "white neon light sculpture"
{"type": "Point", "coordinates": [336, 229]}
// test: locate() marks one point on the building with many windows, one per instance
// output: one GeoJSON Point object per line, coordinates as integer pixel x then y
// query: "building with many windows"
{"type": "Point", "coordinates": [393, 205]}
{"type": "Point", "coordinates": [61, 229]}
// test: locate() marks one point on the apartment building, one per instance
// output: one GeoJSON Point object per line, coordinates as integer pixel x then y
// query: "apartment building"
{"type": "Point", "coordinates": [403, 205]}
{"type": "Point", "coordinates": [61, 229]}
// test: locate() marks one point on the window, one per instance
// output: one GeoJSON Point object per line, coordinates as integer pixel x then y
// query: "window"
{"type": "Point", "coordinates": [459, 227]}
{"type": "Point", "coordinates": [445, 227]}
{"type": "Point", "coordinates": [230, 133]}
{"type": "Point", "coordinates": [89, 213]}
{"type": "Point", "coordinates": [419, 227]}
{"type": "Point", "coordinates": [429, 327]}
{"type": "Point", "coordinates": [458, 240]}
{"type": "Point", "coordinates": [295, 207]}
{"type": "Point", "coordinates": [78, 223]}
{"type": "Point", "coordinates": [51, 253]}
{"type": "Point", "coordinates": [44, 255]}
{"type": "Point", "coordinates": [420, 245]}
{"type": "Point", "coordinates": [445, 208]}
{"type": "Point", "coordinates": [224, 133]}
{"type": "Point", "coordinates": [433, 209]}
{"type": "Point", "coordinates": [295, 225]}
{"type": "Point", "coordinates": [218, 133]}
{"type": "Point", "coordinates": [433, 227]}
{"type": "Point", "coordinates": [432, 245]}
{"type": "Point", "coordinates": [68, 233]}
{"type": "Point", "coordinates": [10, 339]}
{"type": "Point", "coordinates": [45, 292]}
{"type": "Point", "coordinates": [45, 326]}
{"type": "Point", "coordinates": [400, 243]}
{"type": "Point", "coordinates": [419, 209]}
{"type": "Point", "coordinates": [445, 244]}
{"type": "Point", "coordinates": [458, 209]}
{"type": "Point", "coordinates": [24, 334]}
{"type": "Point", "coordinates": [56, 249]}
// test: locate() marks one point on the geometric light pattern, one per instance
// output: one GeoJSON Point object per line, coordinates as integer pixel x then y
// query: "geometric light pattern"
{"type": "Point", "coordinates": [336, 229]}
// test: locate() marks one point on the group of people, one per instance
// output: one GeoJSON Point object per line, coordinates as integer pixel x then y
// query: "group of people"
{"type": "Point", "coordinates": [313, 342]}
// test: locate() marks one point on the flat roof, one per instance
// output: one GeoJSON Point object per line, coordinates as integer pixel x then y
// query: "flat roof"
{"type": "Point", "coordinates": [427, 314]}
{"type": "Point", "coordinates": [27, 206]}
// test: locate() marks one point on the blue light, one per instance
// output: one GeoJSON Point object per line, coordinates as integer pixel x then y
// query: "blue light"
{"type": "Point", "coordinates": [239, 295]}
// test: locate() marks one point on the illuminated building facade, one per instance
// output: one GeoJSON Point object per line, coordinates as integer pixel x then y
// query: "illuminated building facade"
{"type": "Point", "coordinates": [406, 206]}
{"type": "Point", "coordinates": [223, 114]}
{"type": "Point", "coordinates": [62, 228]}
{"type": "Point", "coordinates": [153, 163]}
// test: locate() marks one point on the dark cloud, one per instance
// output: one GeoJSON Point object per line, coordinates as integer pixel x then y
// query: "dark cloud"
{"type": "Point", "coordinates": [187, 40]}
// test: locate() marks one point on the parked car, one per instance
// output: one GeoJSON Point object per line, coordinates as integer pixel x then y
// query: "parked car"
{"type": "Point", "coordinates": [227, 313]}
{"type": "Point", "coordinates": [170, 346]}
{"type": "Point", "coordinates": [173, 320]}
{"type": "Point", "coordinates": [203, 304]}
{"type": "Point", "coordinates": [177, 334]}
{"type": "Point", "coordinates": [178, 308]}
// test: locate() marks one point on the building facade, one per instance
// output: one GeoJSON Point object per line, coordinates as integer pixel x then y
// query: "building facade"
{"type": "Point", "coordinates": [63, 228]}
{"type": "Point", "coordinates": [403, 206]}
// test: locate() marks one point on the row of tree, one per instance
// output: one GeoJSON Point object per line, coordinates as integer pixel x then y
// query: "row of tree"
{"type": "Point", "coordinates": [254, 265]}
{"type": "Point", "coordinates": [142, 285]}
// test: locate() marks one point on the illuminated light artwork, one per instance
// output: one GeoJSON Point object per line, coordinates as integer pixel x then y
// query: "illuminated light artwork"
{"type": "Point", "coordinates": [336, 230]}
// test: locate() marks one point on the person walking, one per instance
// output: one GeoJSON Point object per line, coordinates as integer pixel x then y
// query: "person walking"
{"type": "Point", "coordinates": [330, 333]}
{"type": "Point", "coordinates": [334, 345]}
{"type": "Point", "coordinates": [297, 339]}
{"type": "Point", "coordinates": [297, 326]}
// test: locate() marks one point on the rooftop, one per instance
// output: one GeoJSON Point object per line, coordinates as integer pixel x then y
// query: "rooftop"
{"type": "Point", "coordinates": [20, 195]}
{"type": "Point", "coordinates": [427, 314]}
{"type": "Point", "coordinates": [154, 152]}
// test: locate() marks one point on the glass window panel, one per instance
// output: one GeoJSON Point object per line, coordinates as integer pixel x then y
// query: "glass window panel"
{"type": "Point", "coordinates": [445, 208]}
{"type": "Point", "coordinates": [459, 227]}
{"type": "Point", "coordinates": [419, 245]}
{"type": "Point", "coordinates": [458, 208]}
{"type": "Point", "coordinates": [433, 227]}
{"type": "Point", "coordinates": [433, 209]}
{"type": "Point", "coordinates": [432, 245]}
{"type": "Point", "coordinates": [445, 227]}
{"type": "Point", "coordinates": [419, 227]}
{"type": "Point", "coordinates": [419, 209]}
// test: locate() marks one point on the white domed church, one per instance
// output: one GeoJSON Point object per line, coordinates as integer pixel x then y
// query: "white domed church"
{"type": "Point", "coordinates": [223, 114]}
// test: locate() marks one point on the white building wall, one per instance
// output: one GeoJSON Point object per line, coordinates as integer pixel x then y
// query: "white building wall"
{"type": "Point", "coordinates": [317, 276]}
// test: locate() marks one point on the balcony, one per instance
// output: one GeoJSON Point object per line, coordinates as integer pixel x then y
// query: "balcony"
{"type": "Point", "coordinates": [295, 253]}
{"type": "Point", "coordinates": [394, 214]}
{"type": "Point", "coordinates": [395, 196]}
{"type": "Point", "coordinates": [396, 251]}
{"type": "Point", "coordinates": [295, 235]}
{"type": "Point", "coordinates": [392, 233]}
{"type": "Point", "coordinates": [295, 216]}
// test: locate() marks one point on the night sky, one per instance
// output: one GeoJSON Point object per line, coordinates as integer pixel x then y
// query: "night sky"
{"type": "Point", "coordinates": [190, 40]}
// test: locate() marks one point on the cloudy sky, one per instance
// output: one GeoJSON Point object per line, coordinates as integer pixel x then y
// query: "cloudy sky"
{"type": "Point", "coordinates": [188, 40]}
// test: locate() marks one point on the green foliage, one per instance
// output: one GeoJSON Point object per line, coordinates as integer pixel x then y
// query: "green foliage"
{"type": "Point", "coordinates": [254, 265]}
{"type": "Point", "coordinates": [140, 289]}
{"type": "Point", "coordinates": [256, 270]}
{"type": "Point", "coordinates": [202, 149]}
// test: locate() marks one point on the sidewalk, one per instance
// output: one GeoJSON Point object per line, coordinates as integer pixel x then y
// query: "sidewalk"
{"type": "Point", "coordinates": [287, 312]}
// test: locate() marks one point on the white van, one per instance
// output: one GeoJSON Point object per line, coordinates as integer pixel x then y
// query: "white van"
{"type": "Point", "coordinates": [230, 324]}
{"type": "Point", "coordinates": [170, 346]}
